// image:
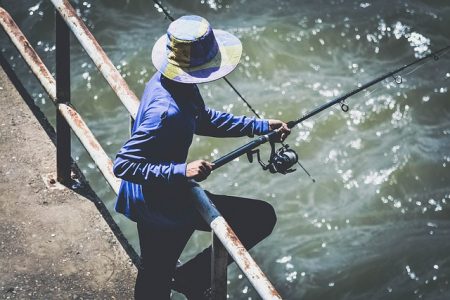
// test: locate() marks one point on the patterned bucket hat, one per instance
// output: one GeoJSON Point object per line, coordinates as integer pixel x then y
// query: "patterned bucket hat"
{"type": "Point", "coordinates": [192, 52]}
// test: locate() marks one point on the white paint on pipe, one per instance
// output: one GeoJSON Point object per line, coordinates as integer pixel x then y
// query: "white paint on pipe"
{"type": "Point", "coordinates": [33, 60]}
{"type": "Point", "coordinates": [98, 56]}
{"type": "Point", "coordinates": [72, 117]}
{"type": "Point", "coordinates": [93, 147]}
{"type": "Point", "coordinates": [103, 162]}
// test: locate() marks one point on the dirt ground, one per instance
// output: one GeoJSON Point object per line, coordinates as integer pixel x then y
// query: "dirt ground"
{"type": "Point", "coordinates": [54, 243]}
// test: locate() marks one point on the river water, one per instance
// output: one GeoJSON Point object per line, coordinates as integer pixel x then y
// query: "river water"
{"type": "Point", "coordinates": [376, 223]}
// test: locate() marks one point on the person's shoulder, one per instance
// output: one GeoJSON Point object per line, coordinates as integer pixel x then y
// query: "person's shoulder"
{"type": "Point", "coordinates": [162, 108]}
{"type": "Point", "coordinates": [158, 100]}
{"type": "Point", "coordinates": [154, 95]}
{"type": "Point", "coordinates": [153, 88]}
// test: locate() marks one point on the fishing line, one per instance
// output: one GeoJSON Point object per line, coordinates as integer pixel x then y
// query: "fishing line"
{"type": "Point", "coordinates": [250, 147]}
{"type": "Point", "coordinates": [397, 80]}
{"type": "Point", "coordinates": [168, 16]}
{"type": "Point", "coordinates": [282, 160]}
{"type": "Point", "coordinates": [436, 58]}
{"type": "Point", "coordinates": [405, 73]}
{"type": "Point", "coordinates": [285, 146]}
{"type": "Point", "coordinates": [165, 11]}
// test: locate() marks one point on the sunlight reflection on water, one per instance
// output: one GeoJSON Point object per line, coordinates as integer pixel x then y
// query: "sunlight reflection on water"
{"type": "Point", "coordinates": [380, 203]}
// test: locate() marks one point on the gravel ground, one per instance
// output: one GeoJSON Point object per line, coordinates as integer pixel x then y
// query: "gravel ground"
{"type": "Point", "coordinates": [55, 244]}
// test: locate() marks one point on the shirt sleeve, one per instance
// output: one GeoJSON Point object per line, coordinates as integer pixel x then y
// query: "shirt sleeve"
{"type": "Point", "coordinates": [220, 124]}
{"type": "Point", "coordinates": [134, 162]}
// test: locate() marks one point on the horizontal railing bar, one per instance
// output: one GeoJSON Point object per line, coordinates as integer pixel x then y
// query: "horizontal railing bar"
{"type": "Point", "coordinates": [76, 122]}
{"type": "Point", "coordinates": [218, 224]}
{"type": "Point", "coordinates": [243, 259]}
{"type": "Point", "coordinates": [93, 147]}
{"type": "Point", "coordinates": [29, 55]}
{"type": "Point", "coordinates": [232, 243]}
{"type": "Point", "coordinates": [98, 56]}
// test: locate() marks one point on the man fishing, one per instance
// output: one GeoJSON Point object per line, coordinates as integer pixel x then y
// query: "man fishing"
{"type": "Point", "coordinates": [152, 163]}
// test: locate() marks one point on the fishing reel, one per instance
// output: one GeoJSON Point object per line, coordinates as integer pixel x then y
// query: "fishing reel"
{"type": "Point", "coordinates": [280, 161]}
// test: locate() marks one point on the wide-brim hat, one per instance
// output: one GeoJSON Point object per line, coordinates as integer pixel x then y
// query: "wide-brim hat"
{"type": "Point", "coordinates": [192, 52]}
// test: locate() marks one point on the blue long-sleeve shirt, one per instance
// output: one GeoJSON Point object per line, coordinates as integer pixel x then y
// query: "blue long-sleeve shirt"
{"type": "Point", "coordinates": [152, 163]}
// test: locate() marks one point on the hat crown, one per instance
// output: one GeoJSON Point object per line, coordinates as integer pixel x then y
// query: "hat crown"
{"type": "Point", "coordinates": [190, 42]}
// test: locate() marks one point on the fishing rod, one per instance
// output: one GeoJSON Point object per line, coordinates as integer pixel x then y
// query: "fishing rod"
{"type": "Point", "coordinates": [283, 159]}
{"type": "Point", "coordinates": [286, 153]}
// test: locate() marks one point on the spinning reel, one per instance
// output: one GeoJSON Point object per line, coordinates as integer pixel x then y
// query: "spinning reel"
{"type": "Point", "coordinates": [280, 161]}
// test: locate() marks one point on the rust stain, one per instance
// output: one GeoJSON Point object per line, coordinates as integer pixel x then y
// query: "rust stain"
{"type": "Point", "coordinates": [74, 116]}
{"type": "Point", "coordinates": [44, 75]}
{"type": "Point", "coordinates": [230, 235]}
{"type": "Point", "coordinates": [117, 83]}
{"type": "Point", "coordinates": [79, 123]}
{"type": "Point", "coordinates": [68, 10]}
{"type": "Point", "coordinates": [94, 144]}
{"type": "Point", "coordinates": [42, 68]}
{"type": "Point", "coordinates": [241, 250]}
{"type": "Point", "coordinates": [17, 36]}
{"type": "Point", "coordinates": [274, 292]}
{"type": "Point", "coordinates": [115, 80]}
{"type": "Point", "coordinates": [110, 166]}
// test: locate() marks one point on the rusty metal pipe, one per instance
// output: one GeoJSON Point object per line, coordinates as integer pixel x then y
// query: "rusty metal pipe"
{"type": "Point", "coordinates": [87, 138]}
{"type": "Point", "coordinates": [231, 242]}
{"type": "Point", "coordinates": [98, 55]}
{"type": "Point", "coordinates": [29, 55]}
{"type": "Point", "coordinates": [243, 259]}
{"type": "Point", "coordinates": [217, 222]}
{"type": "Point", "coordinates": [75, 121]}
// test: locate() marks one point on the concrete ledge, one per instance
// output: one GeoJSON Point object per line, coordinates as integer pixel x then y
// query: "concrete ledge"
{"type": "Point", "coordinates": [54, 242]}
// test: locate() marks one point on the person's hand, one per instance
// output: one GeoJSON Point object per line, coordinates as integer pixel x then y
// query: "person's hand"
{"type": "Point", "coordinates": [198, 170]}
{"type": "Point", "coordinates": [282, 129]}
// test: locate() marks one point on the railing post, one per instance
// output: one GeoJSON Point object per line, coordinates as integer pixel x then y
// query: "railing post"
{"type": "Point", "coordinates": [63, 143]}
{"type": "Point", "coordinates": [219, 264]}
{"type": "Point", "coordinates": [224, 233]}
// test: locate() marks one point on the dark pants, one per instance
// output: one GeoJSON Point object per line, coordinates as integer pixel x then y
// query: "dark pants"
{"type": "Point", "coordinates": [252, 221]}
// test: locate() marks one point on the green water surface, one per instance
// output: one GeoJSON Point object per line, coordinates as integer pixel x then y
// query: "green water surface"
{"type": "Point", "coordinates": [376, 224]}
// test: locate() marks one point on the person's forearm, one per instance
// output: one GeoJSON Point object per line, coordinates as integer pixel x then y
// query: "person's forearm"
{"type": "Point", "coordinates": [220, 124]}
{"type": "Point", "coordinates": [142, 172]}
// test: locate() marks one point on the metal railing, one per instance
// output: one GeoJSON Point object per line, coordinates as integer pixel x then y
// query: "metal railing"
{"type": "Point", "coordinates": [224, 240]}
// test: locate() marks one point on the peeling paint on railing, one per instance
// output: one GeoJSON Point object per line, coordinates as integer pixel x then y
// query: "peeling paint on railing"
{"type": "Point", "coordinates": [218, 224]}
{"type": "Point", "coordinates": [28, 53]}
{"type": "Point", "coordinates": [98, 56]}
{"type": "Point", "coordinates": [76, 122]}
{"type": "Point", "coordinates": [243, 259]}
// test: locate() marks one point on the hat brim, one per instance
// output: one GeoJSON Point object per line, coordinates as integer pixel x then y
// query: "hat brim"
{"type": "Point", "coordinates": [226, 60]}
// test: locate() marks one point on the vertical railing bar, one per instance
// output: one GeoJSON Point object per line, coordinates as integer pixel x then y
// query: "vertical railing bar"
{"type": "Point", "coordinates": [98, 55]}
{"type": "Point", "coordinates": [231, 242]}
{"type": "Point", "coordinates": [47, 81]}
{"type": "Point", "coordinates": [219, 264]}
{"type": "Point", "coordinates": [219, 226]}
{"type": "Point", "coordinates": [63, 142]}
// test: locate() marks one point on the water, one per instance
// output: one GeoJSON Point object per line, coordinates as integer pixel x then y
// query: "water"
{"type": "Point", "coordinates": [376, 223]}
